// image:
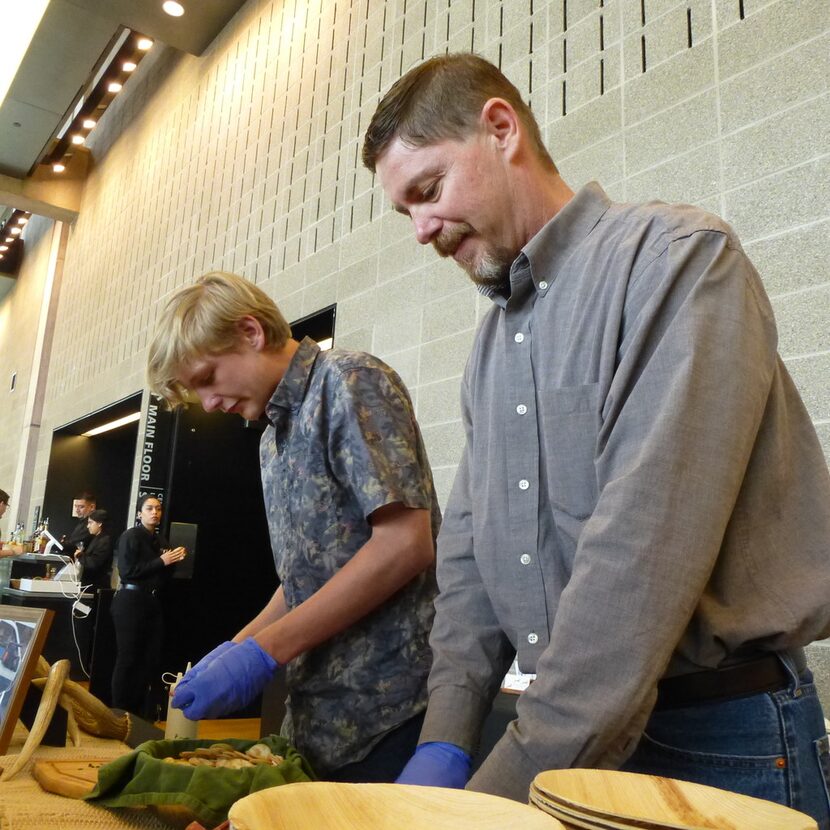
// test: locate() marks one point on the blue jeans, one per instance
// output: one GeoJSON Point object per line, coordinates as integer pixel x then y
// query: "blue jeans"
{"type": "Point", "coordinates": [772, 745]}
{"type": "Point", "coordinates": [386, 760]}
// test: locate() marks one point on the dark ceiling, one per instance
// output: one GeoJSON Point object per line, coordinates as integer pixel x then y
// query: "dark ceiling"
{"type": "Point", "coordinates": [66, 48]}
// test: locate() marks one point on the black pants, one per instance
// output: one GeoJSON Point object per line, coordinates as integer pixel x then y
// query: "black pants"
{"type": "Point", "coordinates": [139, 633]}
{"type": "Point", "coordinates": [386, 760]}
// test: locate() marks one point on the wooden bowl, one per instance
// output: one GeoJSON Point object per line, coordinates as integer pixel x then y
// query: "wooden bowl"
{"type": "Point", "coordinates": [333, 806]}
{"type": "Point", "coordinates": [650, 801]}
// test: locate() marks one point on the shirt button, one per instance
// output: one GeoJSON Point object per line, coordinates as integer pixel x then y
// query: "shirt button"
{"type": "Point", "coordinates": [521, 409]}
{"type": "Point", "coordinates": [524, 484]}
{"type": "Point", "coordinates": [542, 285]}
{"type": "Point", "coordinates": [519, 337]}
{"type": "Point", "coordinates": [533, 638]}
{"type": "Point", "coordinates": [525, 559]}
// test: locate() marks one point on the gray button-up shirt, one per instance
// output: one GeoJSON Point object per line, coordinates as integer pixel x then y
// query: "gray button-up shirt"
{"type": "Point", "coordinates": [642, 492]}
{"type": "Point", "coordinates": [344, 442]}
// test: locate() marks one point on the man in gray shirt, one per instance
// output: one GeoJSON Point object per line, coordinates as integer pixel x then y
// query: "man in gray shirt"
{"type": "Point", "coordinates": [642, 496]}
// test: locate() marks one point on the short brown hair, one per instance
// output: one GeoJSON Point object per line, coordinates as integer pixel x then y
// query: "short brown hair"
{"type": "Point", "coordinates": [201, 320]}
{"type": "Point", "coordinates": [442, 99]}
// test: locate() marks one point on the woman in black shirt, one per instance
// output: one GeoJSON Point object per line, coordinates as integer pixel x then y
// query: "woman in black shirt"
{"type": "Point", "coordinates": [143, 566]}
{"type": "Point", "coordinates": [96, 556]}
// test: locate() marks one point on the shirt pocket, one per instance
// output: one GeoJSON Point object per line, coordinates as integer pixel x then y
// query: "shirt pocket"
{"type": "Point", "coordinates": [569, 423]}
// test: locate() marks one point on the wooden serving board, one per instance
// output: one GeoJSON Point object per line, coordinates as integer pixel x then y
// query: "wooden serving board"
{"type": "Point", "coordinates": [335, 806]}
{"type": "Point", "coordinates": [631, 798]}
{"type": "Point", "coordinates": [73, 779]}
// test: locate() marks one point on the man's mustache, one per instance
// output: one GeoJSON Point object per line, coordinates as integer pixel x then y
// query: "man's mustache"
{"type": "Point", "coordinates": [447, 242]}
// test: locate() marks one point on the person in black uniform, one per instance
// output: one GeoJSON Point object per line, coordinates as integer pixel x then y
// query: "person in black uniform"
{"type": "Point", "coordinates": [96, 557]}
{"type": "Point", "coordinates": [144, 562]}
{"type": "Point", "coordinates": [82, 505]}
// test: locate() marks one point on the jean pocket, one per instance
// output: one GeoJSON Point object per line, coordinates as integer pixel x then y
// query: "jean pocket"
{"type": "Point", "coordinates": [760, 776]}
{"type": "Point", "coordinates": [822, 747]}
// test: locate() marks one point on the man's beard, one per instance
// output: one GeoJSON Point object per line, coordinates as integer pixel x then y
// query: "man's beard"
{"type": "Point", "coordinates": [492, 270]}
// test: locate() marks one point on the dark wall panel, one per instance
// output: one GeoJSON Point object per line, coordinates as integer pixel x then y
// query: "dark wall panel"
{"type": "Point", "coordinates": [102, 464]}
{"type": "Point", "coordinates": [215, 484]}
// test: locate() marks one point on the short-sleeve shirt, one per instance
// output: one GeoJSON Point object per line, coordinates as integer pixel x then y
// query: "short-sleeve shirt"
{"type": "Point", "coordinates": [344, 442]}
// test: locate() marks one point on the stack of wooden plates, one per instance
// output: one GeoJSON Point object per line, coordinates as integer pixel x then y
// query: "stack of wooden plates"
{"type": "Point", "coordinates": [606, 800]}
{"type": "Point", "coordinates": [322, 805]}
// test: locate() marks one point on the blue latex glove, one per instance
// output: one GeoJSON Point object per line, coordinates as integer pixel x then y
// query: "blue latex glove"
{"type": "Point", "coordinates": [229, 682]}
{"type": "Point", "coordinates": [196, 670]}
{"type": "Point", "coordinates": [437, 764]}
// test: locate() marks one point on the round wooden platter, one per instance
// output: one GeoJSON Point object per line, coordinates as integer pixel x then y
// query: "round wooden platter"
{"type": "Point", "coordinates": [650, 800]}
{"type": "Point", "coordinates": [381, 807]}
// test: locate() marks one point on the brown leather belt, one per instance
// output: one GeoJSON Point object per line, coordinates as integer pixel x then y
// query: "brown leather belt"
{"type": "Point", "coordinates": [764, 674]}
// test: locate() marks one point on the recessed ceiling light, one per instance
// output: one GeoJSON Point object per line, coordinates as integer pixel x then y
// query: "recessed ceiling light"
{"type": "Point", "coordinates": [77, 139]}
{"type": "Point", "coordinates": [4, 247]}
{"type": "Point", "coordinates": [128, 66]}
{"type": "Point", "coordinates": [58, 168]}
{"type": "Point", "coordinates": [15, 231]}
{"type": "Point", "coordinates": [9, 239]}
{"type": "Point", "coordinates": [22, 220]}
{"type": "Point", "coordinates": [114, 87]}
{"type": "Point", "coordinates": [173, 8]}
{"type": "Point", "coordinates": [88, 123]}
{"type": "Point", "coordinates": [144, 43]}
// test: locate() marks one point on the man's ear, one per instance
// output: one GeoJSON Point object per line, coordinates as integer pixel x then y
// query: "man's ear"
{"type": "Point", "coordinates": [251, 331]}
{"type": "Point", "coordinates": [499, 120]}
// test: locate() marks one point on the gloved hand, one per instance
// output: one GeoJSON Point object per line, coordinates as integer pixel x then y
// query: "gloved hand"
{"type": "Point", "coordinates": [230, 681]}
{"type": "Point", "coordinates": [437, 764]}
{"type": "Point", "coordinates": [196, 670]}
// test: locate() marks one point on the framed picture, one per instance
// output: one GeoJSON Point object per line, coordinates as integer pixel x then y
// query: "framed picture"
{"type": "Point", "coordinates": [22, 634]}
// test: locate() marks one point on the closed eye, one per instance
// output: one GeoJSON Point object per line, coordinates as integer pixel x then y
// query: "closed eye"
{"type": "Point", "coordinates": [430, 191]}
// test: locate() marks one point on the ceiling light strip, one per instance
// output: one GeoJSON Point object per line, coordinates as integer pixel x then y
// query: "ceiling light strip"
{"type": "Point", "coordinates": [127, 50]}
{"type": "Point", "coordinates": [118, 422]}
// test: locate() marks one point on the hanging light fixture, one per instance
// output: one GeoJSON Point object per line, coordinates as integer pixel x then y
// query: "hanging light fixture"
{"type": "Point", "coordinates": [110, 80]}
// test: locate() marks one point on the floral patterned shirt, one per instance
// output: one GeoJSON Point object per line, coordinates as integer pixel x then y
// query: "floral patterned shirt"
{"type": "Point", "coordinates": [343, 442]}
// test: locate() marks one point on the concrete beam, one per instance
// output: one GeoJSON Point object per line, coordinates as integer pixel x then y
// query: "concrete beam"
{"type": "Point", "coordinates": [46, 193]}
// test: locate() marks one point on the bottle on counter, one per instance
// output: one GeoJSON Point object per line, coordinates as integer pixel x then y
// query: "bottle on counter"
{"type": "Point", "coordinates": [177, 725]}
{"type": "Point", "coordinates": [43, 539]}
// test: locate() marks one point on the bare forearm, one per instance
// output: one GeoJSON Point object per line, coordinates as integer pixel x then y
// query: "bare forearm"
{"type": "Point", "coordinates": [273, 611]}
{"type": "Point", "coordinates": [399, 549]}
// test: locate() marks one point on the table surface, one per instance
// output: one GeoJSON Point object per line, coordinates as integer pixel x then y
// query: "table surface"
{"type": "Point", "coordinates": [16, 592]}
{"type": "Point", "coordinates": [25, 806]}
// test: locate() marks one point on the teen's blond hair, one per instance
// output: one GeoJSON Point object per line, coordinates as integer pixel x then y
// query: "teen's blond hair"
{"type": "Point", "coordinates": [201, 320]}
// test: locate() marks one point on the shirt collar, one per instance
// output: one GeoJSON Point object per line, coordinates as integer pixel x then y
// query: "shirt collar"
{"type": "Point", "coordinates": [291, 390]}
{"type": "Point", "coordinates": [552, 246]}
